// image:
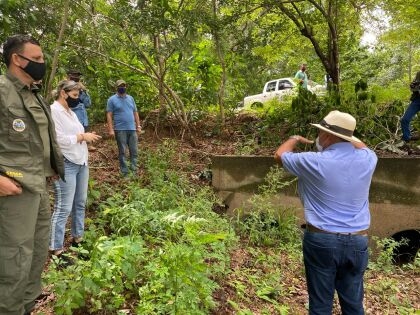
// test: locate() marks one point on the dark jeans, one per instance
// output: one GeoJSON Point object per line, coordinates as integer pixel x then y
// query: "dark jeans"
{"type": "Point", "coordinates": [411, 111]}
{"type": "Point", "coordinates": [335, 262]}
{"type": "Point", "coordinates": [127, 138]}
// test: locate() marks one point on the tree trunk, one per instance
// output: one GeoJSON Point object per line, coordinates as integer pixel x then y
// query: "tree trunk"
{"type": "Point", "coordinates": [57, 49]}
{"type": "Point", "coordinates": [161, 78]}
{"type": "Point", "coordinates": [220, 56]}
{"type": "Point", "coordinates": [410, 61]}
{"type": "Point", "coordinates": [334, 60]}
{"type": "Point", "coordinates": [329, 56]}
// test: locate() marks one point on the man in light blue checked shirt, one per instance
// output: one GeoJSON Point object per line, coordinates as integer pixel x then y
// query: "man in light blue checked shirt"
{"type": "Point", "coordinates": [334, 189]}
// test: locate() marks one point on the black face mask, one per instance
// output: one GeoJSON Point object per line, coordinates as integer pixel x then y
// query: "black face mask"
{"type": "Point", "coordinates": [121, 90]}
{"type": "Point", "coordinates": [35, 69]}
{"type": "Point", "coordinates": [72, 102]}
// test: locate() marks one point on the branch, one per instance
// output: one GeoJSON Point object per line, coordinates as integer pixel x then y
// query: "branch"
{"type": "Point", "coordinates": [317, 5]}
{"type": "Point", "coordinates": [111, 58]}
{"type": "Point", "coordinates": [302, 25]}
{"type": "Point", "coordinates": [150, 71]}
{"type": "Point", "coordinates": [292, 1]}
{"type": "Point", "coordinates": [326, 16]}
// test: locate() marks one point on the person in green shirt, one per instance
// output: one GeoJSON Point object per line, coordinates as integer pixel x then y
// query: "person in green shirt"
{"type": "Point", "coordinates": [302, 77]}
{"type": "Point", "coordinates": [29, 159]}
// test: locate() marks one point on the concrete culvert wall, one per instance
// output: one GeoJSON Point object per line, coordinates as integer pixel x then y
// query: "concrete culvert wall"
{"type": "Point", "coordinates": [394, 195]}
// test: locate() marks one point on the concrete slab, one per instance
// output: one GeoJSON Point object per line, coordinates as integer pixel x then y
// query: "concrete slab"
{"type": "Point", "coordinates": [394, 194]}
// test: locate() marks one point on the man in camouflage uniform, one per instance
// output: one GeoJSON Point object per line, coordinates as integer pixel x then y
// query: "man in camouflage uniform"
{"type": "Point", "coordinates": [29, 156]}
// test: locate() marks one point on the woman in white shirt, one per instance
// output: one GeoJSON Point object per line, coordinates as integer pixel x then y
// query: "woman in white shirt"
{"type": "Point", "coordinates": [71, 194]}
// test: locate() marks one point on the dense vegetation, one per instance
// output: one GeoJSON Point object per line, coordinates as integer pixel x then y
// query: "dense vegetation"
{"type": "Point", "coordinates": [183, 56]}
{"type": "Point", "coordinates": [154, 245]}
{"type": "Point", "coordinates": [162, 244]}
{"type": "Point", "coordinates": [157, 248]}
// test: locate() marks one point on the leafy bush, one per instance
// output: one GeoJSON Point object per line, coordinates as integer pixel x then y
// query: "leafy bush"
{"type": "Point", "coordinates": [265, 224]}
{"type": "Point", "coordinates": [106, 281]}
{"type": "Point", "coordinates": [384, 259]}
{"type": "Point", "coordinates": [158, 248]}
{"type": "Point", "coordinates": [178, 282]}
{"type": "Point", "coordinates": [378, 114]}
{"type": "Point", "coordinates": [268, 226]}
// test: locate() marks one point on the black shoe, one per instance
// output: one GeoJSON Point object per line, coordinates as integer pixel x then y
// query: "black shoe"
{"type": "Point", "coordinates": [414, 137]}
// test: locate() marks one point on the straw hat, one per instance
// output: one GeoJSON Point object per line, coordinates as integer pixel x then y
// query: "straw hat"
{"type": "Point", "coordinates": [339, 124]}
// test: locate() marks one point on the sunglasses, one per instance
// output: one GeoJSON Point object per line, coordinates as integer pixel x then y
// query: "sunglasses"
{"type": "Point", "coordinates": [70, 85]}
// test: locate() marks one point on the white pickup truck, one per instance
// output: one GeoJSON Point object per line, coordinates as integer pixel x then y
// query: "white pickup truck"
{"type": "Point", "coordinates": [277, 88]}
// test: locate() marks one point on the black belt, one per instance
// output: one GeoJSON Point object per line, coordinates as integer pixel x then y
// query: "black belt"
{"type": "Point", "coordinates": [311, 228]}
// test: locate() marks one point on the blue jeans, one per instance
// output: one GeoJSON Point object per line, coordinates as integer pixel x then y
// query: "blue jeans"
{"type": "Point", "coordinates": [127, 138]}
{"type": "Point", "coordinates": [411, 111]}
{"type": "Point", "coordinates": [69, 198]}
{"type": "Point", "coordinates": [335, 262]}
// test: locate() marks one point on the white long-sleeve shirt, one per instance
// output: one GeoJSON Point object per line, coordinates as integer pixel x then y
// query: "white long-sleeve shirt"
{"type": "Point", "coordinates": [67, 127]}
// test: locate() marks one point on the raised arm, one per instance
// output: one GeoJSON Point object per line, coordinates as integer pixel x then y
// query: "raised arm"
{"type": "Point", "coordinates": [289, 145]}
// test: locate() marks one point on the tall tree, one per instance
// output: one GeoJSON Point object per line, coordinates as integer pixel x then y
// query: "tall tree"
{"type": "Point", "coordinates": [404, 23]}
{"type": "Point", "coordinates": [171, 27]}
{"type": "Point", "coordinates": [60, 38]}
{"type": "Point", "coordinates": [323, 23]}
{"type": "Point", "coordinates": [221, 57]}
